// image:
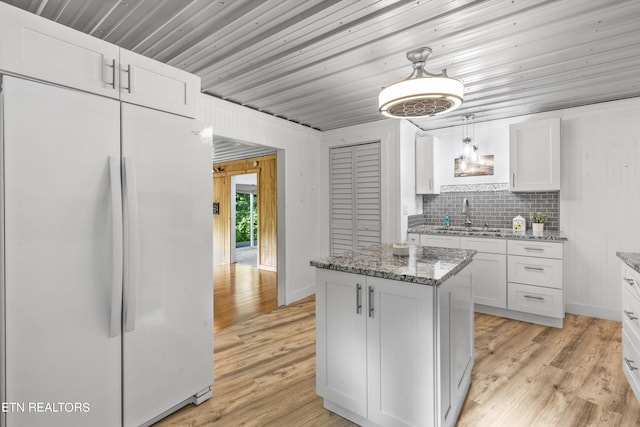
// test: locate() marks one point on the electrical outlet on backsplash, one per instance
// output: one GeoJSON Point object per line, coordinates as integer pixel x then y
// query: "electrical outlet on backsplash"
{"type": "Point", "coordinates": [492, 205]}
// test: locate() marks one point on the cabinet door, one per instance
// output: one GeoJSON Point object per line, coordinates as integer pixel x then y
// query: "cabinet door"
{"type": "Point", "coordinates": [535, 155]}
{"type": "Point", "coordinates": [41, 49]}
{"type": "Point", "coordinates": [425, 176]}
{"type": "Point", "coordinates": [153, 84]}
{"type": "Point", "coordinates": [341, 347]}
{"type": "Point", "coordinates": [400, 350]}
{"type": "Point", "coordinates": [490, 279]}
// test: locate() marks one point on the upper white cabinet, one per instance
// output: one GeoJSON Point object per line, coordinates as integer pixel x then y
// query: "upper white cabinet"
{"type": "Point", "coordinates": [147, 82]}
{"type": "Point", "coordinates": [425, 176]}
{"type": "Point", "coordinates": [45, 50]}
{"type": "Point", "coordinates": [535, 155]}
{"type": "Point", "coordinates": [41, 49]}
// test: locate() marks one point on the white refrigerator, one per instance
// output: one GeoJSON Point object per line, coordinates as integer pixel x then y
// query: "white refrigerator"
{"type": "Point", "coordinates": [106, 260]}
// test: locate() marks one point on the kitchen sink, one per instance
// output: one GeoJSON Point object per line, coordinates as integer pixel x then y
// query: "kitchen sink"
{"type": "Point", "coordinates": [469, 229]}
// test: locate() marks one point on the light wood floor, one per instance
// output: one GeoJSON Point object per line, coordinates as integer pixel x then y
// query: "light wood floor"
{"type": "Point", "coordinates": [241, 292]}
{"type": "Point", "coordinates": [524, 375]}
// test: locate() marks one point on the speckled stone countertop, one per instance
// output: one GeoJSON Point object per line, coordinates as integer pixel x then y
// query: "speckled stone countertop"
{"type": "Point", "coordinates": [632, 259]}
{"type": "Point", "coordinates": [503, 233]}
{"type": "Point", "coordinates": [424, 265]}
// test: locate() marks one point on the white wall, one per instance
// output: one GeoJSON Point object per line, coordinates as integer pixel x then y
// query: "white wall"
{"type": "Point", "coordinates": [386, 131]}
{"type": "Point", "coordinates": [411, 204]}
{"type": "Point", "coordinates": [600, 196]}
{"type": "Point", "coordinates": [301, 149]}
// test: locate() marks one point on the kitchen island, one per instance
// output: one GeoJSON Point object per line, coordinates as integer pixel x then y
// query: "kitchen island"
{"type": "Point", "coordinates": [394, 342]}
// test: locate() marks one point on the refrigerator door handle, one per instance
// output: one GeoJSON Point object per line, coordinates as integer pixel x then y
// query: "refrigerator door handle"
{"type": "Point", "coordinates": [115, 321]}
{"type": "Point", "coordinates": [131, 247]}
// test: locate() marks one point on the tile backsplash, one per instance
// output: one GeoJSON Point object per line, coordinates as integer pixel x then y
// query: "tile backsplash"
{"type": "Point", "coordinates": [495, 207]}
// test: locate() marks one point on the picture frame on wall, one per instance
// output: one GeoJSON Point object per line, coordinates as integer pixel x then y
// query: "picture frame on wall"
{"type": "Point", "coordinates": [483, 166]}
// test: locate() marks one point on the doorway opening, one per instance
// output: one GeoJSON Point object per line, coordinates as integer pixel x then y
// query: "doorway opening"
{"type": "Point", "coordinates": [244, 219]}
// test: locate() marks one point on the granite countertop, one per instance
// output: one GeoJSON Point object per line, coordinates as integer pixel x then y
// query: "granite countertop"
{"type": "Point", "coordinates": [424, 265]}
{"type": "Point", "coordinates": [632, 259]}
{"type": "Point", "coordinates": [501, 233]}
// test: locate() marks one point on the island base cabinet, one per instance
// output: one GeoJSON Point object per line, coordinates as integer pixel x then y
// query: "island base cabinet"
{"type": "Point", "coordinates": [341, 346]}
{"type": "Point", "coordinates": [379, 350]}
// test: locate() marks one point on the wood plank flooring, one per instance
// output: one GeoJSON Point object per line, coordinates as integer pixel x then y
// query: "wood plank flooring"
{"type": "Point", "coordinates": [524, 375]}
{"type": "Point", "coordinates": [241, 292]}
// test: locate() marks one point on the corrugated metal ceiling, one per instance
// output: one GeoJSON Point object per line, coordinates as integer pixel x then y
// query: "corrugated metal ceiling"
{"type": "Point", "coordinates": [322, 63]}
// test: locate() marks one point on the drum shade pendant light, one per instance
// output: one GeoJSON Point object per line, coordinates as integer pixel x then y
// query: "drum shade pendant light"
{"type": "Point", "coordinates": [422, 94]}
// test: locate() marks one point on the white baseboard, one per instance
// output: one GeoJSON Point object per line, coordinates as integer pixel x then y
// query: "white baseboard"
{"type": "Point", "coordinates": [298, 294]}
{"type": "Point", "coordinates": [519, 315]}
{"type": "Point", "coordinates": [591, 311]}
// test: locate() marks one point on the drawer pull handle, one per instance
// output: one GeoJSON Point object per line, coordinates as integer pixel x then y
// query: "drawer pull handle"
{"type": "Point", "coordinates": [534, 297]}
{"type": "Point", "coordinates": [629, 364]}
{"type": "Point", "coordinates": [631, 282]}
{"type": "Point", "coordinates": [358, 298]}
{"type": "Point", "coordinates": [630, 315]}
{"type": "Point", "coordinates": [533, 268]}
{"type": "Point", "coordinates": [534, 249]}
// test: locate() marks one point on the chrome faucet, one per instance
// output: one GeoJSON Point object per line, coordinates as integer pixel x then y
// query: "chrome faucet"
{"type": "Point", "coordinates": [465, 210]}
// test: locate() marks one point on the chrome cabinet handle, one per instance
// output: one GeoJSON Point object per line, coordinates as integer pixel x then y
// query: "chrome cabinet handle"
{"type": "Point", "coordinates": [534, 249]}
{"type": "Point", "coordinates": [113, 73]}
{"type": "Point", "coordinates": [513, 179]}
{"type": "Point", "coordinates": [631, 282]}
{"type": "Point", "coordinates": [370, 301]}
{"type": "Point", "coordinates": [630, 315]}
{"type": "Point", "coordinates": [358, 298]}
{"type": "Point", "coordinates": [629, 364]}
{"type": "Point", "coordinates": [128, 71]}
{"type": "Point", "coordinates": [533, 268]}
{"type": "Point", "coordinates": [534, 297]}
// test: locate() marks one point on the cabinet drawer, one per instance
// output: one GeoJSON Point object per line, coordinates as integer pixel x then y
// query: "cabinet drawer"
{"type": "Point", "coordinates": [535, 300]}
{"type": "Point", "coordinates": [535, 248]}
{"type": "Point", "coordinates": [413, 238]}
{"type": "Point", "coordinates": [631, 361]}
{"type": "Point", "coordinates": [440, 241]}
{"type": "Point", "coordinates": [535, 271]}
{"type": "Point", "coordinates": [631, 280]}
{"type": "Point", "coordinates": [630, 310]}
{"type": "Point", "coordinates": [480, 244]}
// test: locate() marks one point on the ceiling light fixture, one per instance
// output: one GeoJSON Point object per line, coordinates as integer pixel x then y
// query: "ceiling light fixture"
{"type": "Point", "coordinates": [422, 94]}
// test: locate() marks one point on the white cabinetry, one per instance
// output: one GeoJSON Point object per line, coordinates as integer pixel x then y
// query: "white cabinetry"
{"type": "Point", "coordinates": [515, 278]}
{"type": "Point", "coordinates": [379, 340]}
{"type": "Point", "coordinates": [534, 152]}
{"type": "Point", "coordinates": [425, 176]}
{"type": "Point", "coordinates": [631, 327]}
{"type": "Point", "coordinates": [150, 83]}
{"type": "Point", "coordinates": [489, 270]}
{"type": "Point", "coordinates": [44, 50]}
{"type": "Point", "coordinates": [535, 279]}
{"type": "Point", "coordinates": [413, 238]}
{"type": "Point", "coordinates": [441, 241]}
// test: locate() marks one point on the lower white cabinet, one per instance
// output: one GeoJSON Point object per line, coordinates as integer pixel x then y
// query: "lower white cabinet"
{"type": "Point", "coordinates": [441, 241]}
{"type": "Point", "coordinates": [489, 270]}
{"type": "Point", "coordinates": [379, 343]}
{"type": "Point", "coordinates": [631, 327]}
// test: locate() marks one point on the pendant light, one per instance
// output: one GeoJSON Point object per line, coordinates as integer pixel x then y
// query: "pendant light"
{"type": "Point", "coordinates": [469, 150]}
{"type": "Point", "coordinates": [422, 94]}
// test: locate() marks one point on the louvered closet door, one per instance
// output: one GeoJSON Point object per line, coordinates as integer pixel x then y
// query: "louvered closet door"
{"type": "Point", "coordinates": [342, 193]}
{"type": "Point", "coordinates": [367, 196]}
{"type": "Point", "coordinates": [355, 197]}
